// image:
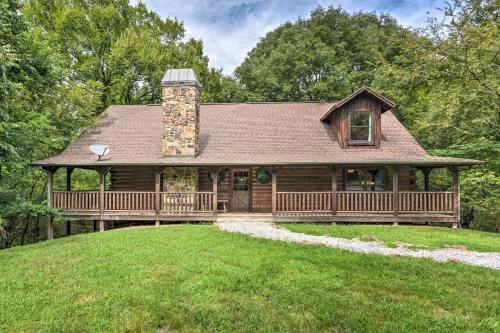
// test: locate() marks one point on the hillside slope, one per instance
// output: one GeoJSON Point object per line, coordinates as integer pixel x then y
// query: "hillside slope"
{"type": "Point", "coordinates": [197, 278]}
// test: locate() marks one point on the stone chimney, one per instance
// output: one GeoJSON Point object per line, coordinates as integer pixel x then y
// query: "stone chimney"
{"type": "Point", "coordinates": [181, 110]}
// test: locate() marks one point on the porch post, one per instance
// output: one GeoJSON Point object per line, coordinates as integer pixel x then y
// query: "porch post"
{"type": "Point", "coordinates": [456, 195]}
{"type": "Point", "coordinates": [102, 175]}
{"type": "Point", "coordinates": [395, 192]}
{"type": "Point", "coordinates": [214, 173]}
{"type": "Point", "coordinates": [274, 174]}
{"type": "Point", "coordinates": [50, 184]}
{"type": "Point", "coordinates": [69, 171]}
{"type": "Point", "coordinates": [333, 171]}
{"type": "Point", "coordinates": [426, 171]}
{"type": "Point", "coordinates": [157, 195]}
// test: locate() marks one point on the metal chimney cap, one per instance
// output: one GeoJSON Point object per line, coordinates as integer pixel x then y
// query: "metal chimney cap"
{"type": "Point", "coordinates": [180, 76]}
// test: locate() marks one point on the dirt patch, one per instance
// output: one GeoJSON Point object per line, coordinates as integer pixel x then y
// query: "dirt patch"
{"type": "Point", "coordinates": [85, 299]}
{"type": "Point", "coordinates": [457, 247]}
{"type": "Point", "coordinates": [368, 238]}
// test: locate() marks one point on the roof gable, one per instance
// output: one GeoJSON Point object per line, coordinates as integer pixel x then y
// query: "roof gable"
{"type": "Point", "coordinates": [385, 102]}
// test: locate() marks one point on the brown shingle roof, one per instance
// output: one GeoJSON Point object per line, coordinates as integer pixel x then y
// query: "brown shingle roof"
{"type": "Point", "coordinates": [247, 133]}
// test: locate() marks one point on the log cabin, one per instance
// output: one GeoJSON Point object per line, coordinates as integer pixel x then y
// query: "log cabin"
{"type": "Point", "coordinates": [344, 161]}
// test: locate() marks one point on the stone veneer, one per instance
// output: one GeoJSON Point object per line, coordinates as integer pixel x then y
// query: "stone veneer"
{"type": "Point", "coordinates": [181, 120]}
{"type": "Point", "coordinates": [180, 179]}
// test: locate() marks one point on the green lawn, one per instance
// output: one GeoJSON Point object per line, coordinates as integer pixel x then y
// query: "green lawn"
{"type": "Point", "coordinates": [432, 237]}
{"type": "Point", "coordinates": [196, 278]}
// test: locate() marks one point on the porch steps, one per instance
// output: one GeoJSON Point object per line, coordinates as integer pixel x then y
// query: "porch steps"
{"type": "Point", "coordinates": [232, 217]}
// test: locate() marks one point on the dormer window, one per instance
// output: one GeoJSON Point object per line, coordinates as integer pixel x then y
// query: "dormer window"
{"type": "Point", "coordinates": [357, 119]}
{"type": "Point", "coordinates": [360, 128]}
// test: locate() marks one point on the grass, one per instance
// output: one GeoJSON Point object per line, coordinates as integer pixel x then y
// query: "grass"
{"type": "Point", "coordinates": [431, 237]}
{"type": "Point", "coordinates": [197, 278]}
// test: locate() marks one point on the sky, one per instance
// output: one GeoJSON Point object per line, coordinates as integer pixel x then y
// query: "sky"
{"type": "Point", "coordinates": [229, 29]}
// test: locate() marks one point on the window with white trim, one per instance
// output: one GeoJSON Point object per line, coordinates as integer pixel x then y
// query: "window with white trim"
{"type": "Point", "coordinates": [360, 127]}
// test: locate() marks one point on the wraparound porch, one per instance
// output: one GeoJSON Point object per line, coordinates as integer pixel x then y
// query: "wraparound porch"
{"type": "Point", "coordinates": [334, 205]}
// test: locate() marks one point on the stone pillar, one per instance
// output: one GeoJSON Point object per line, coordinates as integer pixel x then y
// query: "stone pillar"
{"type": "Point", "coordinates": [181, 109]}
{"type": "Point", "coordinates": [180, 179]}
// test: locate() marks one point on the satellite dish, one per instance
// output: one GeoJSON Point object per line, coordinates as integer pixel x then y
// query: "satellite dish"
{"type": "Point", "coordinates": [99, 150]}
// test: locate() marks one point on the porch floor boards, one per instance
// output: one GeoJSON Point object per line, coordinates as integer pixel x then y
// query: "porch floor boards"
{"type": "Point", "coordinates": [281, 217]}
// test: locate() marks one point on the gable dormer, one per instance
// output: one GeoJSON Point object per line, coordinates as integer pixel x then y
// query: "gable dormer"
{"type": "Point", "coordinates": [356, 120]}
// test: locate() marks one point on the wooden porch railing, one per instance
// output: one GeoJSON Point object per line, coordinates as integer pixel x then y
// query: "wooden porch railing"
{"type": "Point", "coordinates": [186, 203]}
{"type": "Point", "coordinates": [364, 201]}
{"type": "Point", "coordinates": [129, 201]}
{"type": "Point", "coordinates": [170, 203]}
{"type": "Point", "coordinates": [312, 202]}
{"type": "Point", "coordinates": [437, 202]}
{"type": "Point", "coordinates": [81, 200]}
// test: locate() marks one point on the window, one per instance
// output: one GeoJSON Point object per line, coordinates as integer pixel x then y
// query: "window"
{"type": "Point", "coordinates": [373, 179]}
{"type": "Point", "coordinates": [360, 127]}
{"type": "Point", "coordinates": [240, 181]}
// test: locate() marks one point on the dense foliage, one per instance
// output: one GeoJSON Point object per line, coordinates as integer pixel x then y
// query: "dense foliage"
{"type": "Point", "coordinates": [40, 112]}
{"type": "Point", "coordinates": [446, 82]}
{"type": "Point", "coordinates": [62, 62]}
{"type": "Point", "coordinates": [324, 57]}
{"type": "Point", "coordinates": [123, 49]}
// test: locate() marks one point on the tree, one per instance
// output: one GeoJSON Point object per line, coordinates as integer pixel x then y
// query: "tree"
{"type": "Point", "coordinates": [123, 48]}
{"type": "Point", "coordinates": [325, 57]}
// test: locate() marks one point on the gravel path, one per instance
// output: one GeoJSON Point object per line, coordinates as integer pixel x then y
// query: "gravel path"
{"type": "Point", "coordinates": [269, 231]}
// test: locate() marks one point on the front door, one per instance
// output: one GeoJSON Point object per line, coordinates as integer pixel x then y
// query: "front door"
{"type": "Point", "coordinates": [240, 182]}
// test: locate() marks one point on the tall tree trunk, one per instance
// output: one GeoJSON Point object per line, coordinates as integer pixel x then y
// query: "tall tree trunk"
{"type": "Point", "coordinates": [37, 228]}
{"type": "Point", "coordinates": [25, 229]}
